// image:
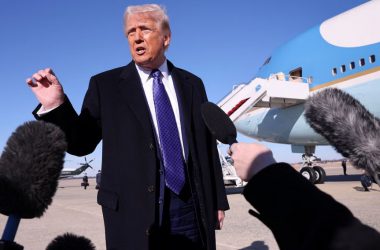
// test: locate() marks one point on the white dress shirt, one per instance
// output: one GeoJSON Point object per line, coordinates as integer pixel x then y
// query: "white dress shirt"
{"type": "Point", "coordinates": [147, 83]}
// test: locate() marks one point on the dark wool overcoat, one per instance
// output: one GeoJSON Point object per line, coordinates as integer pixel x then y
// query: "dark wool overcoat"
{"type": "Point", "coordinates": [115, 111]}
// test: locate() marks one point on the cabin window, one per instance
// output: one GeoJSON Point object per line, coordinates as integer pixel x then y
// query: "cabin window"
{"type": "Point", "coordinates": [372, 59]}
{"type": "Point", "coordinates": [343, 68]}
{"type": "Point", "coordinates": [334, 72]}
{"type": "Point", "coordinates": [362, 62]}
{"type": "Point", "coordinates": [352, 65]}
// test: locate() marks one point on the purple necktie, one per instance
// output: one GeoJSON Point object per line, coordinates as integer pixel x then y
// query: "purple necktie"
{"type": "Point", "coordinates": [169, 138]}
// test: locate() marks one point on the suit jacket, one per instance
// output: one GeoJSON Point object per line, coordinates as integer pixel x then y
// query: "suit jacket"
{"type": "Point", "coordinates": [303, 217]}
{"type": "Point", "coordinates": [115, 111]}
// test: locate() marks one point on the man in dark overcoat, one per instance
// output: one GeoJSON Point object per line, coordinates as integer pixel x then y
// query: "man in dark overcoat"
{"type": "Point", "coordinates": [140, 209]}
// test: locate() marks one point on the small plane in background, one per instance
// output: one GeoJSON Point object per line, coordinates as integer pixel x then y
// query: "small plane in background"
{"type": "Point", "coordinates": [66, 173]}
{"type": "Point", "coordinates": [342, 52]}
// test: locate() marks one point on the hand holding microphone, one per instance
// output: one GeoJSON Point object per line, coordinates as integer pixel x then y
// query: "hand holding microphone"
{"type": "Point", "coordinates": [249, 158]}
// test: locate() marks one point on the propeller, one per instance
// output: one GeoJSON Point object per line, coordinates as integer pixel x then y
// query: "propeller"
{"type": "Point", "coordinates": [86, 163]}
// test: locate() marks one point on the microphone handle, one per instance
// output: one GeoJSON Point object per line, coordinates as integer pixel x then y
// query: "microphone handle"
{"type": "Point", "coordinates": [10, 229]}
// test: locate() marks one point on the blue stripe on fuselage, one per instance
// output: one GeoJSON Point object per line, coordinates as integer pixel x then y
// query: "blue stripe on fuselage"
{"type": "Point", "coordinates": [317, 58]}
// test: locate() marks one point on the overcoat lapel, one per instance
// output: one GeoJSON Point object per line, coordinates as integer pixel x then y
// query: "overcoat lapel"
{"type": "Point", "coordinates": [131, 88]}
{"type": "Point", "coordinates": [133, 93]}
{"type": "Point", "coordinates": [184, 92]}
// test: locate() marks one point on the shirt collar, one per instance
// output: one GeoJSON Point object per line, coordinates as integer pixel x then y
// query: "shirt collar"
{"type": "Point", "coordinates": [145, 74]}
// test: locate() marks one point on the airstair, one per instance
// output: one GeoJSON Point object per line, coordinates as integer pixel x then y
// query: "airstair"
{"type": "Point", "coordinates": [277, 91]}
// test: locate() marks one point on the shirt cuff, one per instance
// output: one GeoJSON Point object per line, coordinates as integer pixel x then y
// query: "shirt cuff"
{"type": "Point", "coordinates": [42, 111]}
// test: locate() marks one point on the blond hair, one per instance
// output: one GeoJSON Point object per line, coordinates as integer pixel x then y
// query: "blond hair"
{"type": "Point", "coordinates": [155, 11]}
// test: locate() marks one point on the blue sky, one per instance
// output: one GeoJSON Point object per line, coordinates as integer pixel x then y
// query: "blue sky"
{"type": "Point", "coordinates": [223, 42]}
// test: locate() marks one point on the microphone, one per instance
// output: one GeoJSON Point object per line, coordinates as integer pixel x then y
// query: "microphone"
{"type": "Point", "coordinates": [219, 123]}
{"type": "Point", "coordinates": [30, 166]}
{"type": "Point", "coordinates": [70, 241]}
{"type": "Point", "coordinates": [348, 126]}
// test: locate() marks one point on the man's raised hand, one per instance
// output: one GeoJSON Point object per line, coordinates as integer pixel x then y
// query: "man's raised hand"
{"type": "Point", "coordinates": [47, 88]}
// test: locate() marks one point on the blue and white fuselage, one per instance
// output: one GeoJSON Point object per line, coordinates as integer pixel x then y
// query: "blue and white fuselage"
{"type": "Point", "coordinates": [343, 52]}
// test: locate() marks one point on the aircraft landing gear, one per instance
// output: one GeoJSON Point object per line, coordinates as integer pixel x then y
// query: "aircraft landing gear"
{"type": "Point", "coordinates": [308, 173]}
{"type": "Point", "coordinates": [315, 174]}
{"type": "Point", "coordinates": [320, 175]}
{"type": "Point", "coordinates": [366, 182]}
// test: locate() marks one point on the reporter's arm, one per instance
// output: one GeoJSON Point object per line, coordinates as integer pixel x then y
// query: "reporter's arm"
{"type": "Point", "coordinates": [299, 214]}
{"type": "Point", "coordinates": [303, 217]}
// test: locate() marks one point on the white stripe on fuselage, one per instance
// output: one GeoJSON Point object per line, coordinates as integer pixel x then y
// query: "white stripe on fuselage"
{"type": "Point", "coordinates": [354, 28]}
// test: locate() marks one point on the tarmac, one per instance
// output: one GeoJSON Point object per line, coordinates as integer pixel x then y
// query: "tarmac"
{"type": "Point", "coordinates": [75, 210]}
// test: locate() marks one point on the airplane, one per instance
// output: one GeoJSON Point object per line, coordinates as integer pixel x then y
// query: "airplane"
{"type": "Point", "coordinates": [66, 173]}
{"type": "Point", "coordinates": [342, 52]}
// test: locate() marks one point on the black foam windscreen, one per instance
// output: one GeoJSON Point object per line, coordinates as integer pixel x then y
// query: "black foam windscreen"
{"type": "Point", "coordinates": [69, 241]}
{"type": "Point", "coordinates": [30, 166]}
{"type": "Point", "coordinates": [348, 126]}
{"type": "Point", "coordinates": [218, 122]}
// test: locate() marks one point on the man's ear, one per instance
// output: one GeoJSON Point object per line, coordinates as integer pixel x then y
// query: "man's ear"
{"type": "Point", "coordinates": [167, 38]}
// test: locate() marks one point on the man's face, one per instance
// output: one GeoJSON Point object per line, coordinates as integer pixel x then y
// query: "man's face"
{"type": "Point", "coordinates": [147, 41]}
